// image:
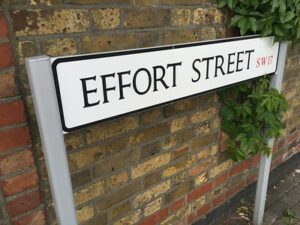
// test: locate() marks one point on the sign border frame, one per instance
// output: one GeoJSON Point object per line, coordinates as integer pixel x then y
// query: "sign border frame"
{"type": "Point", "coordinates": [137, 51]}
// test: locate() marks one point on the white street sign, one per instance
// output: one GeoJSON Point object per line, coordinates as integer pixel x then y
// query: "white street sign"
{"type": "Point", "coordinates": [98, 87]}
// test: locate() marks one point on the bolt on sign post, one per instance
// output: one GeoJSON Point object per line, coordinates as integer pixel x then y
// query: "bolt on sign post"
{"type": "Point", "coordinates": [73, 92]}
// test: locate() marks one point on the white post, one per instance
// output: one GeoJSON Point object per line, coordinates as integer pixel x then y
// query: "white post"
{"type": "Point", "coordinates": [265, 162]}
{"type": "Point", "coordinates": [47, 112]}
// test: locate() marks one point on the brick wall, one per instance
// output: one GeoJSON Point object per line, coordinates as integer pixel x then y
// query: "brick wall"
{"type": "Point", "coordinates": [20, 198]}
{"type": "Point", "coordinates": [163, 166]}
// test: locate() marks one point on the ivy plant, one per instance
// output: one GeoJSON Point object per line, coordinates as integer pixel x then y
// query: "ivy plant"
{"type": "Point", "coordinates": [250, 114]}
{"type": "Point", "coordinates": [252, 111]}
{"type": "Point", "coordinates": [278, 18]}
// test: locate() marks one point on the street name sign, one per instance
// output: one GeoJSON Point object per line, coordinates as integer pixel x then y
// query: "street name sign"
{"type": "Point", "coordinates": [98, 87]}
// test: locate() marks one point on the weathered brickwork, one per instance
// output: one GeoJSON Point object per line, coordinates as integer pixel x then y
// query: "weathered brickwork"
{"type": "Point", "coordinates": [163, 166]}
{"type": "Point", "coordinates": [20, 199]}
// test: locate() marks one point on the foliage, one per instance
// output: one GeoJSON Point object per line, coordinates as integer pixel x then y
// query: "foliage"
{"type": "Point", "coordinates": [280, 18]}
{"type": "Point", "coordinates": [250, 114]}
{"type": "Point", "coordinates": [289, 217]}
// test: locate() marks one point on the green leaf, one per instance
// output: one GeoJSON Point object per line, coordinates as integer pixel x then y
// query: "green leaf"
{"type": "Point", "coordinates": [240, 154]}
{"type": "Point", "coordinates": [235, 20]}
{"type": "Point", "coordinates": [267, 29]}
{"type": "Point", "coordinates": [298, 32]}
{"type": "Point", "coordinates": [287, 26]}
{"type": "Point", "coordinates": [241, 137]}
{"type": "Point", "coordinates": [232, 3]}
{"type": "Point", "coordinates": [222, 3]}
{"type": "Point", "coordinates": [244, 25]}
{"type": "Point", "coordinates": [255, 3]}
{"type": "Point", "coordinates": [244, 145]}
{"type": "Point", "coordinates": [279, 31]}
{"type": "Point", "coordinates": [253, 23]}
{"type": "Point", "coordinates": [282, 5]}
{"type": "Point", "coordinates": [241, 11]}
{"type": "Point", "coordinates": [286, 17]}
{"type": "Point", "coordinates": [264, 102]}
{"type": "Point", "coordinates": [265, 1]}
{"type": "Point", "coordinates": [275, 4]}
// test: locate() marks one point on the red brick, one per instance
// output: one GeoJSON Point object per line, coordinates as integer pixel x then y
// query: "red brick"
{"type": "Point", "coordinates": [221, 179]}
{"type": "Point", "coordinates": [281, 144]}
{"type": "Point", "coordinates": [292, 137]}
{"type": "Point", "coordinates": [275, 148]}
{"type": "Point", "coordinates": [12, 113]}
{"type": "Point", "coordinates": [6, 56]}
{"type": "Point", "coordinates": [223, 139]}
{"type": "Point", "coordinates": [13, 138]}
{"type": "Point", "coordinates": [218, 200]}
{"type": "Point", "coordinates": [192, 217]}
{"type": "Point", "coordinates": [182, 222]}
{"type": "Point", "coordinates": [3, 27]}
{"type": "Point", "coordinates": [233, 190]}
{"type": "Point", "coordinates": [222, 146]}
{"type": "Point", "coordinates": [203, 167]}
{"type": "Point", "coordinates": [35, 218]}
{"type": "Point", "coordinates": [197, 193]}
{"type": "Point", "coordinates": [20, 183]}
{"type": "Point", "coordinates": [224, 136]}
{"type": "Point", "coordinates": [239, 168]}
{"type": "Point", "coordinates": [24, 204]}
{"type": "Point", "coordinates": [196, 170]}
{"type": "Point", "coordinates": [8, 85]}
{"type": "Point", "coordinates": [15, 162]}
{"type": "Point", "coordinates": [255, 160]}
{"type": "Point", "coordinates": [203, 210]}
{"type": "Point", "coordinates": [177, 205]}
{"type": "Point", "coordinates": [195, 215]}
{"type": "Point", "coordinates": [156, 218]}
{"type": "Point", "coordinates": [251, 178]}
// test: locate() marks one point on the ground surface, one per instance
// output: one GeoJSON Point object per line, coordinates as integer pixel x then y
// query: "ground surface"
{"type": "Point", "coordinates": [282, 206]}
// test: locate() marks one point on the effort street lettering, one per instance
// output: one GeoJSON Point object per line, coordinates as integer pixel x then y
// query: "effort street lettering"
{"type": "Point", "coordinates": [155, 78]}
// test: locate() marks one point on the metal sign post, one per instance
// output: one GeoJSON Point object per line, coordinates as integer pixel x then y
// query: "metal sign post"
{"type": "Point", "coordinates": [47, 113]}
{"type": "Point", "coordinates": [265, 161]}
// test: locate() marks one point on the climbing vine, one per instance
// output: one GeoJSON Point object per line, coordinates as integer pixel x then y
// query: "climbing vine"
{"type": "Point", "coordinates": [250, 114]}
{"type": "Point", "coordinates": [252, 111]}
{"type": "Point", "coordinates": [279, 18]}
